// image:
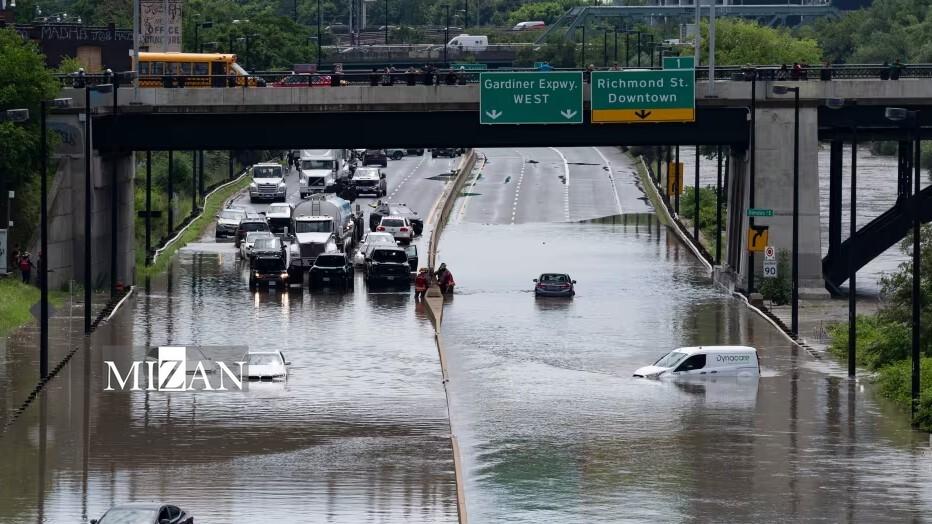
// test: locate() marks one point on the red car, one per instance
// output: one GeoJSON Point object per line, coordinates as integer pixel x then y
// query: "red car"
{"type": "Point", "coordinates": [302, 80]}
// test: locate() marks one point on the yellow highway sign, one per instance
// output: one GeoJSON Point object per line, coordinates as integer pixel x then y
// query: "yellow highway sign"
{"type": "Point", "coordinates": [758, 237]}
{"type": "Point", "coordinates": [674, 178]}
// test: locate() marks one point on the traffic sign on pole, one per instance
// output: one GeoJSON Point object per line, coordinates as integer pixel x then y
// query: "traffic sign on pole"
{"type": "Point", "coordinates": [770, 253]}
{"type": "Point", "coordinates": [757, 238]}
{"type": "Point", "coordinates": [531, 97]}
{"type": "Point", "coordinates": [770, 268]}
{"type": "Point", "coordinates": [760, 212]}
{"type": "Point", "coordinates": [674, 178]}
{"type": "Point", "coordinates": [644, 96]}
{"type": "Point", "coordinates": [679, 62]}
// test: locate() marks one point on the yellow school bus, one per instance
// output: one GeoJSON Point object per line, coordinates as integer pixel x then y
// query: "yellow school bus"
{"type": "Point", "coordinates": [192, 70]}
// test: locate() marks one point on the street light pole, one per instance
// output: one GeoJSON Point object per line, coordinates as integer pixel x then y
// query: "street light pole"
{"type": "Point", "coordinates": [386, 22]}
{"type": "Point", "coordinates": [795, 309]}
{"type": "Point", "coordinates": [318, 36]}
{"type": "Point", "coordinates": [87, 210]}
{"type": "Point", "coordinates": [43, 247]}
{"type": "Point", "coordinates": [446, 35]}
{"type": "Point", "coordinates": [852, 269]}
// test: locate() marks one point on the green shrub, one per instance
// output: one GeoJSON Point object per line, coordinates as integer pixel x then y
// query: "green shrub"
{"type": "Point", "coordinates": [777, 290]}
{"type": "Point", "coordinates": [707, 210]}
{"type": "Point", "coordinates": [880, 342]}
{"type": "Point", "coordinates": [895, 382]}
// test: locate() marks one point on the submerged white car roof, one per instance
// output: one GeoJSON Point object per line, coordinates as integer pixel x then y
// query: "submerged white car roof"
{"type": "Point", "coordinates": [715, 349]}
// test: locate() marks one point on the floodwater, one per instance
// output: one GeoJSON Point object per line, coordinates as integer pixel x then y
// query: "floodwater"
{"type": "Point", "coordinates": [552, 426]}
{"type": "Point", "coordinates": [876, 194]}
{"type": "Point", "coordinates": [358, 433]}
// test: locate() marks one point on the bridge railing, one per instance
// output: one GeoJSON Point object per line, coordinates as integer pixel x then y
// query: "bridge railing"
{"type": "Point", "coordinates": [394, 77]}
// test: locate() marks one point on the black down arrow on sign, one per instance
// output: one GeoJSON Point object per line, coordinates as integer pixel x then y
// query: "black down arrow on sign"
{"type": "Point", "coordinates": [642, 114]}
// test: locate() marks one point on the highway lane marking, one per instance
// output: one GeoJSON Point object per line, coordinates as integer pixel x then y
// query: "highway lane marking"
{"type": "Point", "coordinates": [415, 168]}
{"type": "Point", "coordinates": [566, 180]}
{"type": "Point", "coordinates": [611, 179]}
{"type": "Point", "coordinates": [514, 207]}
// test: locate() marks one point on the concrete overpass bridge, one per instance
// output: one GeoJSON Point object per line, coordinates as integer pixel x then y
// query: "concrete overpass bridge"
{"type": "Point", "coordinates": [432, 116]}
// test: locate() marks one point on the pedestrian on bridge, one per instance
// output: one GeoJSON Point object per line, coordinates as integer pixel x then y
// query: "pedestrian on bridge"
{"type": "Point", "coordinates": [429, 73]}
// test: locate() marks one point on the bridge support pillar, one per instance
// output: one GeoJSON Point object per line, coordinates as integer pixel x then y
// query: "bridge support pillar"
{"type": "Point", "coordinates": [66, 209]}
{"type": "Point", "coordinates": [774, 182]}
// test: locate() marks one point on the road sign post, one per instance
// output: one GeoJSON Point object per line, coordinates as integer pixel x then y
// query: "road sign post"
{"type": "Point", "coordinates": [644, 96]}
{"type": "Point", "coordinates": [540, 97]}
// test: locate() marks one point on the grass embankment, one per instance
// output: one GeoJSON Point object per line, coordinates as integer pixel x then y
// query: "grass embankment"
{"type": "Point", "coordinates": [18, 298]}
{"type": "Point", "coordinates": [194, 231]}
{"type": "Point", "coordinates": [707, 211]}
{"type": "Point", "coordinates": [884, 347]}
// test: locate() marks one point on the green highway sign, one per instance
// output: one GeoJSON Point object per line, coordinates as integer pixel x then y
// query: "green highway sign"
{"type": "Point", "coordinates": [679, 62]}
{"type": "Point", "coordinates": [644, 96]}
{"type": "Point", "coordinates": [532, 97]}
{"type": "Point", "coordinates": [759, 212]}
{"type": "Point", "coordinates": [469, 66]}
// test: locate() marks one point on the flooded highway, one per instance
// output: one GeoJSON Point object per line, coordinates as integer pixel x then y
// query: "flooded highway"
{"type": "Point", "coordinates": [358, 433]}
{"type": "Point", "coordinates": [553, 427]}
{"type": "Point", "coordinates": [550, 423]}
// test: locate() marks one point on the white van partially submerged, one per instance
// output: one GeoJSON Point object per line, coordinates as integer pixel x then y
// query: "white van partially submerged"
{"type": "Point", "coordinates": [710, 361]}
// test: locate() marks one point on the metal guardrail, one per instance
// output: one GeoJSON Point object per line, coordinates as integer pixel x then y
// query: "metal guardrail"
{"type": "Point", "coordinates": [441, 76]}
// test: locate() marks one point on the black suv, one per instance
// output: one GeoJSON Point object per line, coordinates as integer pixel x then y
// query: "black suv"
{"type": "Point", "coordinates": [268, 263]}
{"type": "Point", "coordinates": [446, 151]}
{"type": "Point", "coordinates": [331, 268]}
{"type": "Point", "coordinates": [375, 156]}
{"type": "Point", "coordinates": [388, 265]}
{"type": "Point", "coordinates": [384, 209]}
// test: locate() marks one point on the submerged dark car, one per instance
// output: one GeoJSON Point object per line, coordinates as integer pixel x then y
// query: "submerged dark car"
{"type": "Point", "coordinates": [374, 157]}
{"type": "Point", "coordinates": [397, 210]}
{"type": "Point", "coordinates": [388, 265]}
{"type": "Point", "coordinates": [446, 151]}
{"type": "Point", "coordinates": [145, 513]}
{"type": "Point", "coordinates": [332, 268]}
{"type": "Point", "coordinates": [268, 263]}
{"type": "Point", "coordinates": [554, 285]}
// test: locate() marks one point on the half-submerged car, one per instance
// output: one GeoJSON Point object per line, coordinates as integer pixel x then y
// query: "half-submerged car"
{"type": "Point", "coordinates": [266, 365]}
{"type": "Point", "coordinates": [144, 513]}
{"type": "Point", "coordinates": [554, 285]}
{"type": "Point", "coordinates": [704, 361]}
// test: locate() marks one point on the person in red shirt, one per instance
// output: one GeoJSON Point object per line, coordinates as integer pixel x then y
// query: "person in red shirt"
{"type": "Point", "coordinates": [445, 279]}
{"type": "Point", "coordinates": [420, 284]}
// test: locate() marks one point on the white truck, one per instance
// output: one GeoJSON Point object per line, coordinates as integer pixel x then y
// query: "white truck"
{"type": "Point", "coordinates": [268, 182]}
{"type": "Point", "coordinates": [319, 170]}
{"type": "Point", "coordinates": [325, 222]}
